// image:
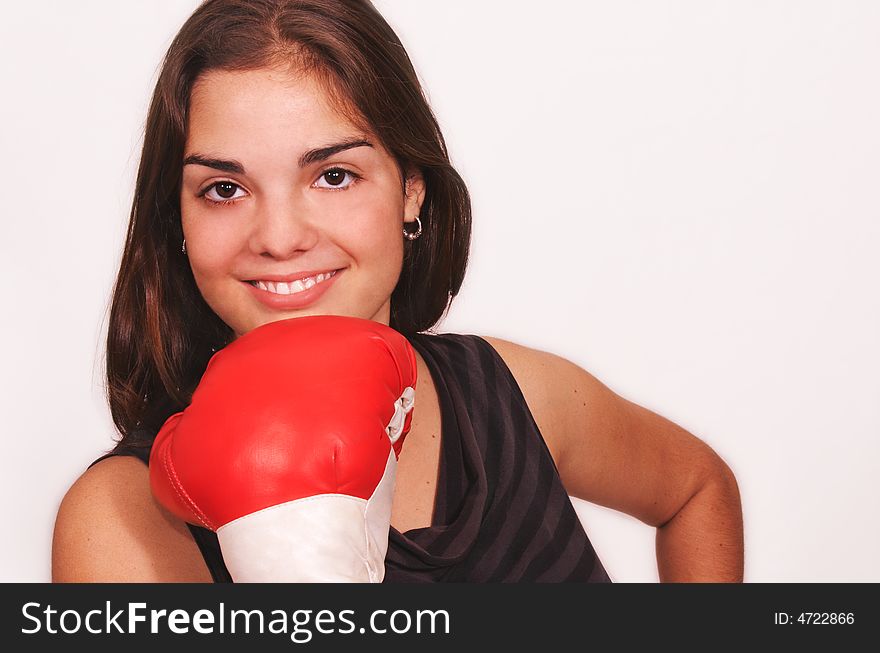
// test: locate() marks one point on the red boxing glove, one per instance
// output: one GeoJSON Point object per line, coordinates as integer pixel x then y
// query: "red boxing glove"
{"type": "Point", "coordinates": [289, 448]}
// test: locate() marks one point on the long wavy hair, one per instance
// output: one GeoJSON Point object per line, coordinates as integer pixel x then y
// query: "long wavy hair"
{"type": "Point", "coordinates": [161, 332]}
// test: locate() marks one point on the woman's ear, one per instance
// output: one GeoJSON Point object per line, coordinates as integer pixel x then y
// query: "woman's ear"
{"type": "Point", "coordinates": [414, 191]}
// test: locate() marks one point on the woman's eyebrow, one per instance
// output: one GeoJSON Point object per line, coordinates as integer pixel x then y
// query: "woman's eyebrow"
{"type": "Point", "coordinates": [218, 164]}
{"type": "Point", "coordinates": [308, 158]}
{"type": "Point", "coordinates": [322, 153]}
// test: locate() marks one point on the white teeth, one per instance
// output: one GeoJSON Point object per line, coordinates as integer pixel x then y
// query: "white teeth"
{"type": "Point", "coordinates": [281, 288]}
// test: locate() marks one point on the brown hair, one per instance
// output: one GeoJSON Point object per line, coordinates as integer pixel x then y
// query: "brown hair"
{"type": "Point", "coordinates": [161, 332]}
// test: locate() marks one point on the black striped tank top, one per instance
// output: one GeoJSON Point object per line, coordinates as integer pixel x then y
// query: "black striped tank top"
{"type": "Point", "coordinates": [501, 513]}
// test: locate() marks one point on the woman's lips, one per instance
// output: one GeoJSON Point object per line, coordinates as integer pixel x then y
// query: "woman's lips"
{"type": "Point", "coordinates": [301, 299]}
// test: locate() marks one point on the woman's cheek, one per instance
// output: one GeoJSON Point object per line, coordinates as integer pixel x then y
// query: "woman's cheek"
{"type": "Point", "coordinates": [213, 240]}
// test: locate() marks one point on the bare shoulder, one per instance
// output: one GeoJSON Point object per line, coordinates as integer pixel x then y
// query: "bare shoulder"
{"type": "Point", "coordinates": [110, 529]}
{"type": "Point", "coordinates": [539, 375]}
{"type": "Point", "coordinates": [609, 450]}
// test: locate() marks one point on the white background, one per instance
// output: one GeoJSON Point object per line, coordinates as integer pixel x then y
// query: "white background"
{"type": "Point", "coordinates": [681, 197]}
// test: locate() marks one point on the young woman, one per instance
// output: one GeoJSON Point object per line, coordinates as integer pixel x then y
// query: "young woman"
{"type": "Point", "coordinates": [290, 139]}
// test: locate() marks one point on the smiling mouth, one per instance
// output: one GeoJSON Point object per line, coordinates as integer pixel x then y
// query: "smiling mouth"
{"type": "Point", "coordinates": [293, 287]}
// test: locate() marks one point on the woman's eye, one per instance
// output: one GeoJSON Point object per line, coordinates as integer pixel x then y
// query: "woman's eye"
{"type": "Point", "coordinates": [222, 192]}
{"type": "Point", "coordinates": [335, 179]}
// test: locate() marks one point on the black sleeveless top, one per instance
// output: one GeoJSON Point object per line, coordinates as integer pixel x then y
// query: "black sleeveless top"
{"type": "Point", "coordinates": [501, 513]}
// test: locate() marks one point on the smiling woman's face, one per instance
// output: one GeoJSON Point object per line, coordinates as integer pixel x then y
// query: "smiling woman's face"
{"type": "Point", "coordinates": [305, 192]}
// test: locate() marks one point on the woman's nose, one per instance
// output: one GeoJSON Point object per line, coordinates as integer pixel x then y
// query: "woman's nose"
{"type": "Point", "coordinates": [281, 228]}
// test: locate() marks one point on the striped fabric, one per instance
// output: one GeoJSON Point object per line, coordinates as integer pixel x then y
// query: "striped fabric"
{"type": "Point", "coordinates": [501, 512]}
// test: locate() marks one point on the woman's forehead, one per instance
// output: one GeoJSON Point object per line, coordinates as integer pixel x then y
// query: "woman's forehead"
{"type": "Point", "coordinates": [268, 101]}
{"type": "Point", "coordinates": [259, 90]}
{"type": "Point", "coordinates": [265, 115]}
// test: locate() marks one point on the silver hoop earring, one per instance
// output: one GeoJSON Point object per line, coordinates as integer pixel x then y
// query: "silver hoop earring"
{"type": "Point", "coordinates": [183, 247]}
{"type": "Point", "coordinates": [413, 236]}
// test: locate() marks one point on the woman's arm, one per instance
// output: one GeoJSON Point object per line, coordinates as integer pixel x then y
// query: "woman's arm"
{"type": "Point", "coordinates": [615, 453]}
{"type": "Point", "coordinates": [704, 539]}
{"type": "Point", "coordinates": [110, 529]}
